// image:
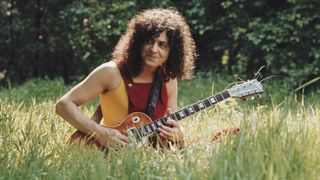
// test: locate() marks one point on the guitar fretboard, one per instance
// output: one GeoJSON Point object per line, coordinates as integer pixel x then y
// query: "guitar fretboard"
{"type": "Point", "coordinates": [153, 127]}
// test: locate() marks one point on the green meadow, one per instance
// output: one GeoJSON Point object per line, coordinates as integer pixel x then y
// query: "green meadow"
{"type": "Point", "coordinates": [279, 137]}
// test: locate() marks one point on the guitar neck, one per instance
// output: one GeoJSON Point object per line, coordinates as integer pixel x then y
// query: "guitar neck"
{"type": "Point", "coordinates": [153, 126]}
{"type": "Point", "coordinates": [196, 107]}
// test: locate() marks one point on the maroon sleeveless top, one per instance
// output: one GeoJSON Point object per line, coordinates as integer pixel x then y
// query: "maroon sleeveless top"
{"type": "Point", "coordinates": [139, 93]}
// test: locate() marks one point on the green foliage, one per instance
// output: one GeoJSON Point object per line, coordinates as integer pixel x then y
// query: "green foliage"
{"type": "Point", "coordinates": [69, 38]}
{"type": "Point", "coordinates": [282, 35]}
{"type": "Point", "coordinates": [95, 26]}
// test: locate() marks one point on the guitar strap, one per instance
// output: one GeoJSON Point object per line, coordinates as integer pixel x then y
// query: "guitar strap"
{"type": "Point", "coordinates": [154, 95]}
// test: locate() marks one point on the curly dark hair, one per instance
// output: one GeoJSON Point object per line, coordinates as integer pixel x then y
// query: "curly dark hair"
{"type": "Point", "coordinates": [148, 24]}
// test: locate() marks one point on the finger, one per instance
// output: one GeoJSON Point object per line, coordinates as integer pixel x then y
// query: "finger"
{"type": "Point", "coordinates": [166, 131]}
{"type": "Point", "coordinates": [118, 141]}
{"type": "Point", "coordinates": [118, 135]}
{"type": "Point", "coordinates": [172, 123]}
{"type": "Point", "coordinates": [121, 142]}
{"type": "Point", "coordinates": [122, 137]}
{"type": "Point", "coordinates": [170, 137]}
{"type": "Point", "coordinates": [164, 137]}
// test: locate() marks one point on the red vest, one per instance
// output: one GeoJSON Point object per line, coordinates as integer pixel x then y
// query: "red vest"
{"type": "Point", "coordinates": [139, 94]}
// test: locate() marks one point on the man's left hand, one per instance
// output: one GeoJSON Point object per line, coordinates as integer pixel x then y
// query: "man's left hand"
{"type": "Point", "coordinates": [172, 131]}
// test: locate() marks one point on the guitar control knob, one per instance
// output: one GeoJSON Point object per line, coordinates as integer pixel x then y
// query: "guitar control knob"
{"type": "Point", "coordinates": [135, 119]}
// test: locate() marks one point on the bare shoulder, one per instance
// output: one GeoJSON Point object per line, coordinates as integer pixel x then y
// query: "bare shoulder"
{"type": "Point", "coordinates": [109, 75]}
{"type": "Point", "coordinates": [172, 82]}
{"type": "Point", "coordinates": [109, 68]}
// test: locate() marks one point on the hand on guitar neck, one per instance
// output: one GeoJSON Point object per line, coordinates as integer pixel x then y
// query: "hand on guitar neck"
{"type": "Point", "coordinates": [172, 131]}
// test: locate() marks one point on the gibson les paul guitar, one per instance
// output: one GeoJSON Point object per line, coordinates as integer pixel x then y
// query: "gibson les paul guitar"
{"type": "Point", "coordinates": [139, 126]}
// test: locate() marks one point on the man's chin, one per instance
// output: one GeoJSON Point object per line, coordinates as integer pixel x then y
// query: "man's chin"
{"type": "Point", "coordinates": [152, 61]}
{"type": "Point", "coordinates": [153, 64]}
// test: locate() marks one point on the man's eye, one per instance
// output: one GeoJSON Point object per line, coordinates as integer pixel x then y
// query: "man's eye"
{"type": "Point", "coordinates": [163, 45]}
{"type": "Point", "coordinates": [149, 42]}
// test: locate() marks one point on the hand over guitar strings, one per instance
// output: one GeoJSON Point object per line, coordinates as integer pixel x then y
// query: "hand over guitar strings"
{"type": "Point", "coordinates": [171, 131]}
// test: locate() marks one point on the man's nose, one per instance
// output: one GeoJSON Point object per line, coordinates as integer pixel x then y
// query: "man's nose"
{"type": "Point", "coordinates": [154, 47]}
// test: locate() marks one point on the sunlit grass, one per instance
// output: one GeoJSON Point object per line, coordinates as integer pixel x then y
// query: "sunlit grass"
{"type": "Point", "coordinates": [279, 139]}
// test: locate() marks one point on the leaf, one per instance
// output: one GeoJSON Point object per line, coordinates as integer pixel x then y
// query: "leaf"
{"type": "Point", "coordinates": [307, 83]}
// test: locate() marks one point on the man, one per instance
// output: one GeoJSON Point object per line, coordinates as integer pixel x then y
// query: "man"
{"type": "Point", "coordinates": [156, 40]}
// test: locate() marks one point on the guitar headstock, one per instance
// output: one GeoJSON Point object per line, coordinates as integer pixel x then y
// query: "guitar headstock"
{"type": "Point", "coordinates": [247, 89]}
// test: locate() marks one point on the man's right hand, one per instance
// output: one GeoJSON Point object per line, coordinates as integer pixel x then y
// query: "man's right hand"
{"type": "Point", "coordinates": [109, 137]}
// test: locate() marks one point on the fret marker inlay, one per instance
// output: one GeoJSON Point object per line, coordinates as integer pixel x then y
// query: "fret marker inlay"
{"type": "Point", "coordinates": [200, 104]}
{"type": "Point", "coordinates": [212, 100]}
{"type": "Point", "coordinates": [181, 114]}
{"type": "Point", "coordinates": [191, 110]}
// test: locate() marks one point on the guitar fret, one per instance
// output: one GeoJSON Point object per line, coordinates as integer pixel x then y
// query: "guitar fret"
{"type": "Point", "coordinates": [135, 133]}
{"type": "Point", "coordinates": [207, 102]}
{"type": "Point", "coordinates": [147, 130]}
{"type": "Point", "coordinates": [191, 110]}
{"type": "Point", "coordinates": [219, 97]}
{"type": "Point", "coordinates": [177, 115]}
{"type": "Point", "coordinates": [201, 105]}
{"type": "Point", "coordinates": [163, 121]}
{"type": "Point", "coordinates": [139, 132]}
{"type": "Point", "coordinates": [212, 100]}
{"type": "Point", "coordinates": [186, 112]}
{"type": "Point", "coordinates": [143, 131]}
{"type": "Point", "coordinates": [157, 123]}
{"type": "Point", "coordinates": [150, 130]}
{"type": "Point", "coordinates": [196, 107]}
{"type": "Point", "coordinates": [173, 116]}
{"type": "Point", "coordinates": [225, 94]}
{"type": "Point", "coordinates": [181, 114]}
{"type": "Point", "coordinates": [180, 117]}
{"type": "Point", "coordinates": [153, 126]}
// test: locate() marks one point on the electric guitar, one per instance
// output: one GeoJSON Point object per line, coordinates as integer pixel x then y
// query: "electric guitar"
{"type": "Point", "coordinates": [139, 126]}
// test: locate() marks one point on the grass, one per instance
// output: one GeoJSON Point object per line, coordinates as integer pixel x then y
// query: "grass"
{"type": "Point", "coordinates": [279, 138]}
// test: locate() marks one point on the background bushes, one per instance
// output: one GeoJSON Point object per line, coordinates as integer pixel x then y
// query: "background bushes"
{"type": "Point", "coordinates": [59, 38]}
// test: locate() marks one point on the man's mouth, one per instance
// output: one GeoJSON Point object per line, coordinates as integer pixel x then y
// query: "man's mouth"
{"type": "Point", "coordinates": [152, 56]}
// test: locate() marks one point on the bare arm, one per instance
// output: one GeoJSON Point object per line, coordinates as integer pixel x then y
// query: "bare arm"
{"type": "Point", "coordinates": [173, 131]}
{"type": "Point", "coordinates": [105, 77]}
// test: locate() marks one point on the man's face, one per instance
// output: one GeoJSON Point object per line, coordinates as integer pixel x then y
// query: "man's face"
{"type": "Point", "coordinates": [155, 51]}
